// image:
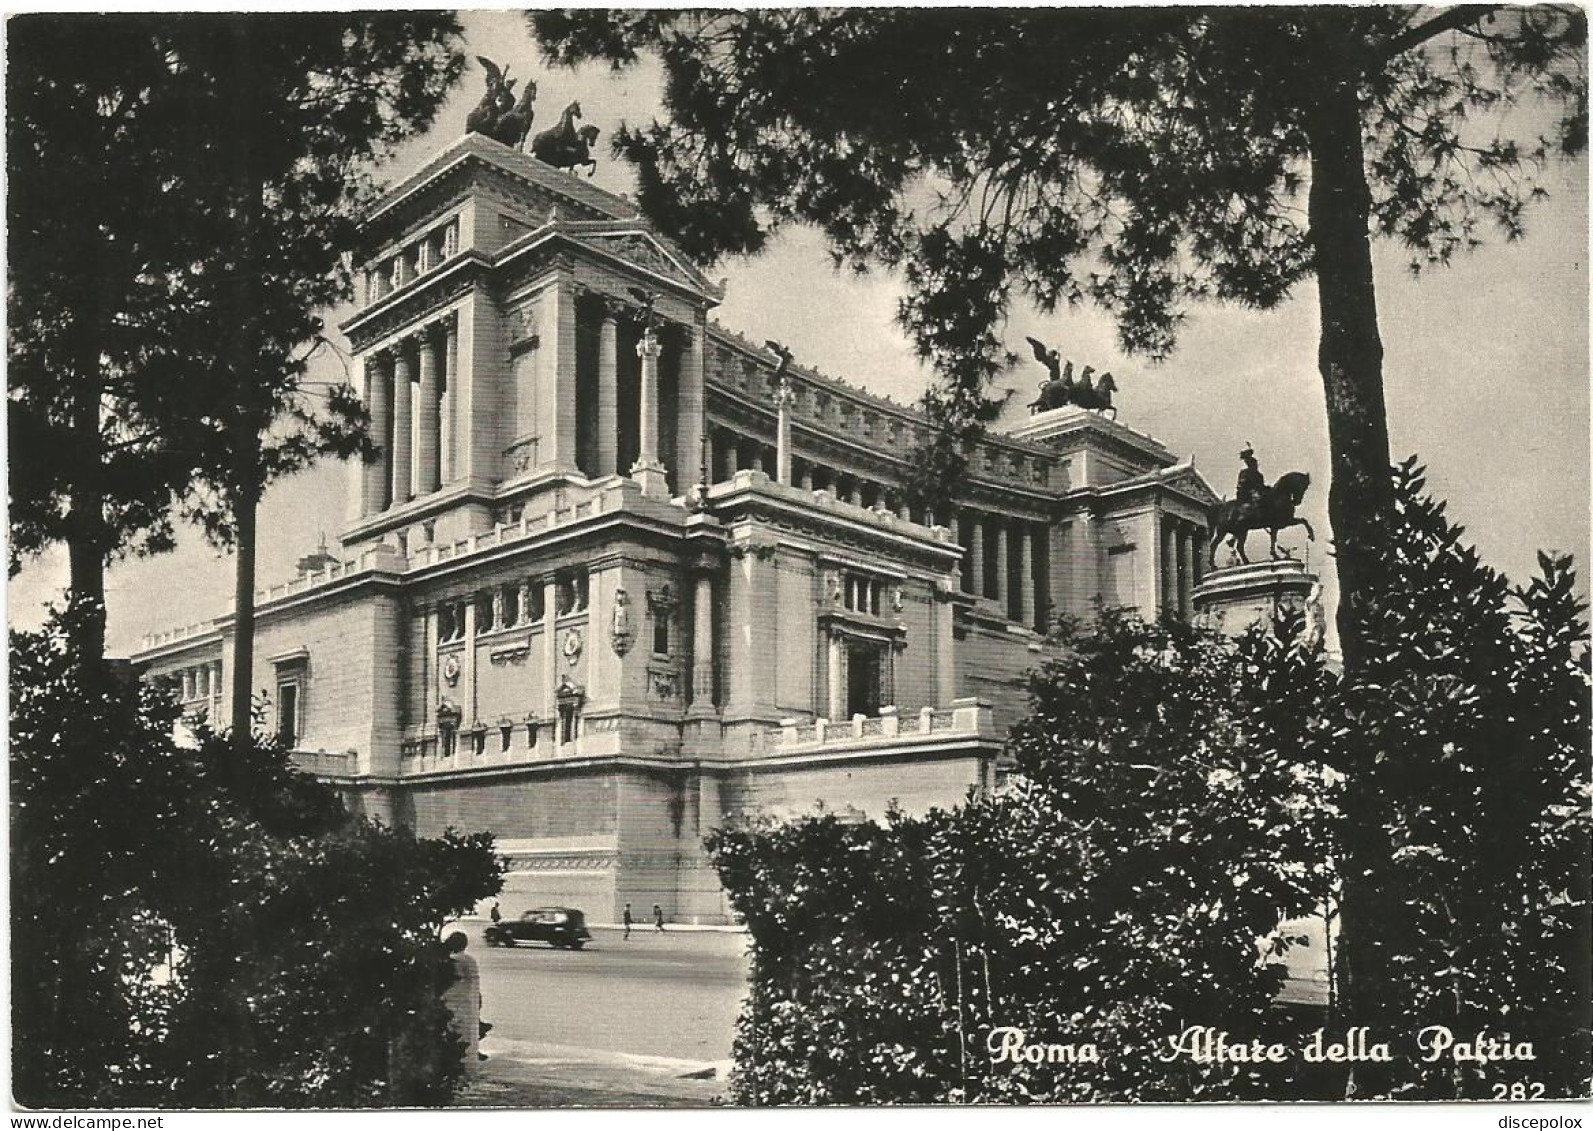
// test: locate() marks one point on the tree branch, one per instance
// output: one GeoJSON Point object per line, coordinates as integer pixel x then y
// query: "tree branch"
{"type": "Point", "coordinates": [1450, 19]}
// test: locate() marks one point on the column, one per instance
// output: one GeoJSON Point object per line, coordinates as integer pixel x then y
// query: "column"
{"type": "Point", "coordinates": [782, 434]}
{"type": "Point", "coordinates": [837, 708]}
{"type": "Point", "coordinates": [379, 483]}
{"type": "Point", "coordinates": [757, 457]}
{"type": "Point", "coordinates": [552, 662]}
{"type": "Point", "coordinates": [403, 426]}
{"type": "Point", "coordinates": [467, 677]}
{"type": "Point", "coordinates": [557, 446]}
{"type": "Point", "coordinates": [806, 482]}
{"type": "Point", "coordinates": [732, 455]}
{"type": "Point", "coordinates": [608, 393]}
{"type": "Point", "coordinates": [447, 445]}
{"type": "Point", "coordinates": [1169, 566]}
{"type": "Point", "coordinates": [702, 645]}
{"type": "Point", "coordinates": [647, 471]}
{"type": "Point", "coordinates": [1187, 552]}
{"type": "Point", "coordinates": [690, 407]}
{"type": "Point", "coordinates": [856, 497]}
{"type": "Point", "coordinates": [1000, 586]}
{"type": "Point", "coordinates": [1023, 611]}
{"type": "Point", "coordinates": [976, 554]}
{"type": "Point", "coordinates": [428, 473]}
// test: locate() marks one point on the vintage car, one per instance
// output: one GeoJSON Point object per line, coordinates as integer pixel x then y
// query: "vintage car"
{"type": "Point", "coordinates": [556, 926]}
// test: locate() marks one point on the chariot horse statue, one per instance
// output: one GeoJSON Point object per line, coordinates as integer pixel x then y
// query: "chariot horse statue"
{"type": "Point", "coordinates": [1061, 389]}
{"type": "Point", "coordinates": [498, 115]}
{"type": "Point", "coordinates": [1272, 510]}
{"type": "Point", "coordinates": [565, 146]}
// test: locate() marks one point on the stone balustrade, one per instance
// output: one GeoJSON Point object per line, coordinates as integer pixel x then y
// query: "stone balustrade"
{"type": "Point", "coordinates": [970, 717]}
{"type": "Point", "coordinates": [880, 516]}
{"type": "Point", "coordinates": [833, 406]}
{"type": "Point", "coordinates": [176, 635]}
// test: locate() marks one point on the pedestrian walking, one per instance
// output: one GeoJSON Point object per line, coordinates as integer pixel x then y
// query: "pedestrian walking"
{"type": "Point", "coordinates": [627, 921]}
{"type": "Point", "coordinates": [658, 917]}
{"type": "Point", "coordinates": [495, 915]}
{"type": "Point", "coordinates": [462, 997]}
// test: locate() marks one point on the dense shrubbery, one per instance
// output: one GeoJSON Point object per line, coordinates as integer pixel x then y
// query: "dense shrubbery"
{"type": "Point", "coordinates": [189, 929]}
{"type": "Point", "coordinates": [1465, 739]}
{"type": "Point", "coordinates": [1156, 829]}
{"type": "Point", "coordinates": [1172, 800]}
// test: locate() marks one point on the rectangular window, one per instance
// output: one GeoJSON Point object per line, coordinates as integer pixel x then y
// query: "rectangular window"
{"type": "Point", "coordinates": [661, 632]}
{"type": "Point", "coordinates": [531, 734]}
{"type": "Point", "coordinates": [569, 722]}
{"type": "Point", "coordinates": [511, 606]}
{"type": "Point", "coordinates": [288, 712]}
{"type": "Point", "coordinates": [538, 601]}
{"type": "Point", "coordinates": [507, 737]}
{"type": "Point", "coordinates": [450, 740]}
{"type": "Point", "coordinates": [479, 741]}
{"type": "Point", "coordinates": [484, 612]}
{"type": "Point", "coordinates": [571, 588]}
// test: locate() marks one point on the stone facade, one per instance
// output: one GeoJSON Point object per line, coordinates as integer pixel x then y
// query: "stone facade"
{"type": "Point", "coordinates": [546, 621]}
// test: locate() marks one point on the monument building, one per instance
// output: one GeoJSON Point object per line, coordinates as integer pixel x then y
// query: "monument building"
{"type": "Point", "coordinates": [620, 575]}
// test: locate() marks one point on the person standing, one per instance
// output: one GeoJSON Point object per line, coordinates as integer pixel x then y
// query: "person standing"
{"type": "Point", "coordinates": [627, 921]}
{"type": "Point", "coordinates": [658, 917]}
{"type": "Point", "coordinates": [462, 997]}
{"type": "Point", "coordinates": [495, 915]}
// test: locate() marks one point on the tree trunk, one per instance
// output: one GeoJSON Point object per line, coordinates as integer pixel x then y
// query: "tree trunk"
{"type": "Point", "coordinates": [1350, 358]}
{"type": "Point", "coordinates": [245, 512]}
{"type": "Point", "coordinates": [247, 425]}
{"type": "Point", "coordinates": [86, 540]}
{"type": "Point", "coordinates": [1350, 353]}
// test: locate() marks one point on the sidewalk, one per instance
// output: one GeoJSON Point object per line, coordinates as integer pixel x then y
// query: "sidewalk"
{"type": "Point", "coordinates": [525, 1074]}
{"type": "Point", "coordinates": [637, 927]}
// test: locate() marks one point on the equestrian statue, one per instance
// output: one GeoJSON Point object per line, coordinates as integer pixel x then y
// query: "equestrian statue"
{"type": "Point", "coordinates": [1256, 506]}
{"type": "Point", "coordinates": [498, 115]}
{"type": "Point", "coordinates": [1061, 389]}
{"type": "Point", "coordinates": [565, 146]}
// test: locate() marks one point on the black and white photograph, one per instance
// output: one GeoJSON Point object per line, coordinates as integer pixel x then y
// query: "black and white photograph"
{"type": "Point", "coordinates": [799, 557]}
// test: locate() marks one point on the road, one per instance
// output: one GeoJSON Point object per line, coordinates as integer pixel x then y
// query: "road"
{"type": "Point", "coordinates": [674, 994]}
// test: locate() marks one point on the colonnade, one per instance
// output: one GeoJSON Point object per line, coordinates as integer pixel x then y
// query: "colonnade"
{"type": "Point", "coordinates": [1007, 559]}
{"type": "Point", "coordinates": [410, 392]}
{"type": "Point", "coordinates": [203, 682]}
{"type": "Point", "coordinates": [648, 469]}
{"type": "Point", "coordinates": [729, 452]}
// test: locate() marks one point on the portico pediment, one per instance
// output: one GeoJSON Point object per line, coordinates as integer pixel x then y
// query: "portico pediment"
{"type": "Point", "coordinates": [1189, 482]}
{"type": "Point", "coordinates": [646, 251]}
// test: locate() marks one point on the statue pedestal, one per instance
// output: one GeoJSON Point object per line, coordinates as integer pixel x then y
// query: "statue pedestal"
{"type": "Point", "coordinates": [1231, 600]}
{"type": "Point", "coordinates": [652, 479]}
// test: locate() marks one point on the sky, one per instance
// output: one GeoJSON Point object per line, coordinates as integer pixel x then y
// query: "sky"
{"type": "Point", "coordinates": [1485, 368]}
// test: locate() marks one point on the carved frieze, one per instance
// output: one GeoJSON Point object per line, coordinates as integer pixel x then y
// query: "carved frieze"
{"type": "Point", "coordinates": [513, 654]}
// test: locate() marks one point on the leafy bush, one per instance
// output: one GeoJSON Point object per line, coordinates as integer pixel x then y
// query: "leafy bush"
{"type": "Point", "coordinates": [1175, 796]}
{"type": "Point", "coordinates": [1158, 827]}
{"type": "Point", "coordinates": [191, 929]}
{"type": "Point", "coordinates": [1465, 739]}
